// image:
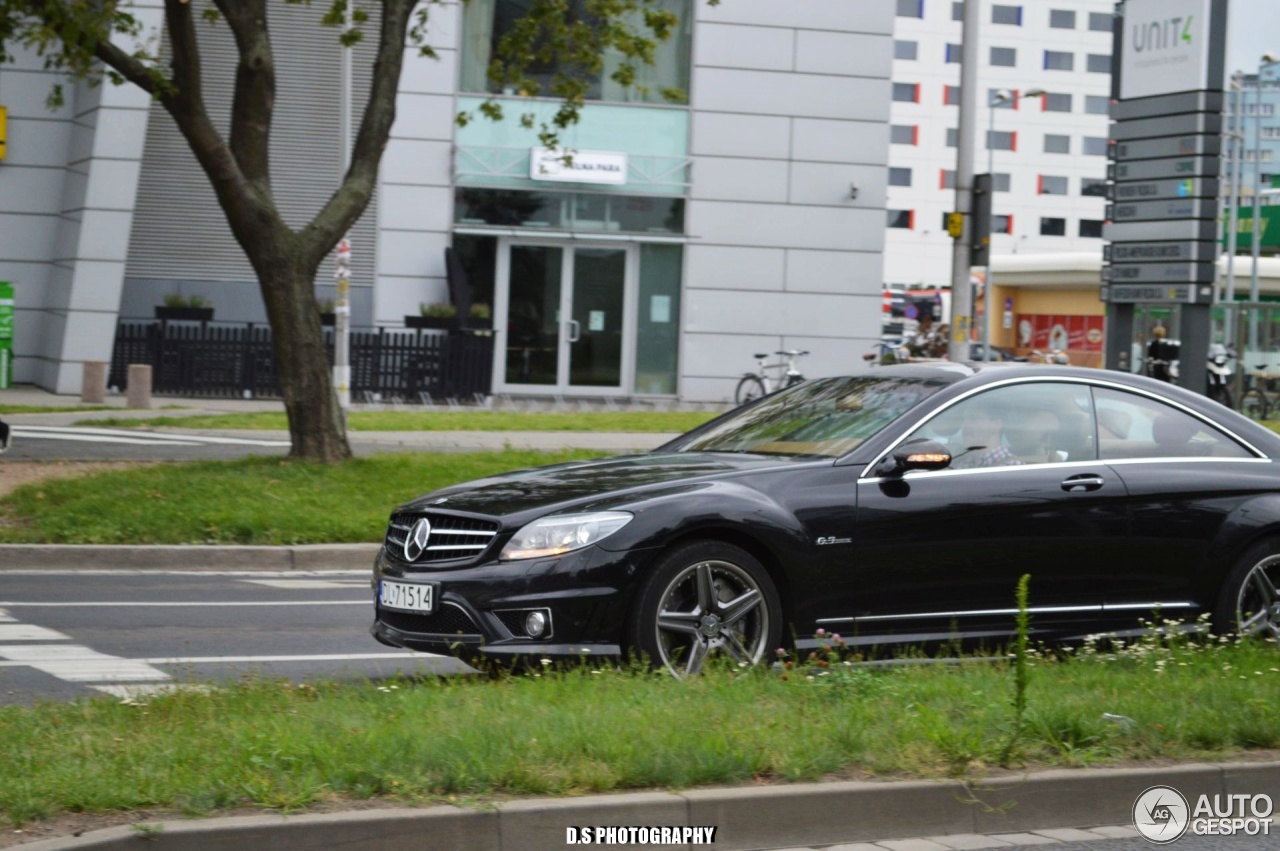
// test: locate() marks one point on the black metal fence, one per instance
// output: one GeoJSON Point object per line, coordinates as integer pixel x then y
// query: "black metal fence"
{"type": "Point", "coordinates": [222, 359]}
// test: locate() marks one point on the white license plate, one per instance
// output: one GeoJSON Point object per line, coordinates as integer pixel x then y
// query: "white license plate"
{"type": "Point", "coordinates": [415, 597]}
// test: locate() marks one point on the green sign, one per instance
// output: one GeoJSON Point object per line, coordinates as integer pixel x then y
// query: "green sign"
{"type": "Point", "coordinates": [6, 334]}
{"type": "Point", "coordinates": [1244, 228]}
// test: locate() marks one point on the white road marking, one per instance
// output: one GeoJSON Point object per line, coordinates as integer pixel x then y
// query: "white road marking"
{"type": "Point", "coordinates": [28, 632]}
{"type": "Point", "coordinates": [305, 583]}
{"type": "Point", "coordinates": [78, 664]}
{"type": "Point", "coordinates": [35, 660]}
{"type": "Point", "coordinates": [5, 617]}
{"type": "Point", "coordinates": [127, 691]}
{"type": "Point", "coordinates": [254, 573]}
{"type": "Point", "coordinates": [163, 604]}
{"type": "Point", "coordinates": [105, 435]}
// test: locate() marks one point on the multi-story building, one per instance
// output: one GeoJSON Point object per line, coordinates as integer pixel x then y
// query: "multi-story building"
{"type": "Point", "coordinates": [1048, 152]}
{"type": "Point", "coordinates": [748, 218]}
{"type": "Point", "coordinates": [1257, 154]}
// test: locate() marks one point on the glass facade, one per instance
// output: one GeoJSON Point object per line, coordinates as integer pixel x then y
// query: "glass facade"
{"type": "Point", "coordinates": [487, 22]}
{"type": "Point", "coordinates": [579, 211]}
{"type": "Point", "coordinates": [658, 319]}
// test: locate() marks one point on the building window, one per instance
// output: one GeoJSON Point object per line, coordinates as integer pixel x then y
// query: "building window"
{"type": "Point", "coordinates": [1007, 15]}
{"type": "Point", "coordinates": [950, 95]}
{"type": "Point", "coordinates": [905, 49]}
{"type": "Point", "coordinates": [906, 92]}
{"type": "Point", "coordinates": [899, 176]}
{"type": "Point", "coordinates": [1053, 227]}
{"type": "Point", "coordinates": [904, 134]}
{"type": "Point", "coordinates": [1002, 140]}
{"type": "Point", "coordinates": [1000, 181]}
{"type": "Point", "coordinates": [1266, 110]}
{"type": "Point", "coordinates": [1095, 146]}
{"type": "Point", "coordinates": [487, 22]}
{"type": "Point", "coordinates": [1098, 63]}
{"type": "Point", "coordinates": [1263, 156]}
{"type": "Point", "coordinates": [901, 219]}
{"type": "Point", "coordinates": [1091, 228]}
{"type": "Point", "coordinates": [1051, 185]}
{"type": "Point", "coordinates": [1001, 224]}
{"type": "Point", "coordinates": [957, 10]}
{"type": "Point", "coordinates": [1056, 60]}
{"type": "Point", "coordinates": [952, 136]}
{"type": "Point", "coordinates": [1057, 144]}
{"type": "Point", "coordinates": [1011, 103]}
{"type": "Point", "coordinates": [953, 53]}
{"type": "Point", "coordinates": [1062, 19]}
{"type": "Point", "coordinates": [1097, 104]}
{"type": "Point", "coordinates": [1269, 132]}
{"type": "Point", "coordinates": [1094, 186]}
{"type": "Point", "coordinates": [1100, 22]}
{"type": "Point", "coordinates": [910, 8]}
{"type": "Point", "coordinates": [1057, 102]}
{"type": "Point", "coordinates": [1006, 57]}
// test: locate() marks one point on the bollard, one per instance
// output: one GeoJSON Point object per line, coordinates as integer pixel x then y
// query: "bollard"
{"type": "Point", "coordinates": [139, 393]}
{"type": "Point", "coordinates": [93, 384]}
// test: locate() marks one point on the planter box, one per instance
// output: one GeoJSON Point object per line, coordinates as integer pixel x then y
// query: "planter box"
{"type": "Point", "coordinates": [440, 323]}
{"type": "Point", "coordinates": [187, 314]}
{"type": "Point", "coordinates": [328, 319]}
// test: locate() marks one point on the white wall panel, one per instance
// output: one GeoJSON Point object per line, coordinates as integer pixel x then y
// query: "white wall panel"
{"type": "Point", "coordinates": [736, 268]}
{"type": "Point", "coordinates": [740, 135]}
{"type": "Point", "coordinates": [741, 180]}
{"type": "Point", "coordinates": [849, 54]}
{"type": "Point", "coordinates": [759, 48]}
{"type": "Point", "coordinates": [801, 95]}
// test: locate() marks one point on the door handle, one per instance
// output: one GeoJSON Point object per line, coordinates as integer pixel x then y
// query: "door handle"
{"type": "Point", "coordinates": [1086, 482]}
{"type": "Point", "coordinates": [575, 330]}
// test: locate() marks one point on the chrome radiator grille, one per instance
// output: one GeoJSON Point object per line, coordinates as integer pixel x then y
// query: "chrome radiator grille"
{"type": "Point", "coordinates": [451, 538]}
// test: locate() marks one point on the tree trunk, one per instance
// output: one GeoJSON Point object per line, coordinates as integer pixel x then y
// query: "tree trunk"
{"type": "Point", "coordinates": [316, 427]}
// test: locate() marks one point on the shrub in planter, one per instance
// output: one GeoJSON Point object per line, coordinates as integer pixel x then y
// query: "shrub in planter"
{"type": "Point", "coordinates": [192, 308]}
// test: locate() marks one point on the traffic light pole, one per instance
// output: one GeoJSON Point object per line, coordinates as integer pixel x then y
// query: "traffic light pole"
{"type": "Point", "coordinates": [962, 249]}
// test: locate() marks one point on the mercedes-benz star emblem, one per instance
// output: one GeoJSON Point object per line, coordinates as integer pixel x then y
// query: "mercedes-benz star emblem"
{"type": "Point", "coordinates": [415, 543]}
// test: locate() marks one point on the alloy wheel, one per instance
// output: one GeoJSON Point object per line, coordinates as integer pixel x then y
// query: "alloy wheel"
{"type": "Point", "coordinates": [711, 607]}
{"type": "Point", "coordinates": [1258, 603]}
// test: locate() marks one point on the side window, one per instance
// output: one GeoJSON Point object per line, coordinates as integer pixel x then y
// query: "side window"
{"type": "Point", "coordinates": [1133, 426]}
{"type": "Point", "coordinates": [1032, 423]}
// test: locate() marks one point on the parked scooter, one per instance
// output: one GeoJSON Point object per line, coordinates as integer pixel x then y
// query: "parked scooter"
{"type": "Point", "coordinates": [1220, 371]}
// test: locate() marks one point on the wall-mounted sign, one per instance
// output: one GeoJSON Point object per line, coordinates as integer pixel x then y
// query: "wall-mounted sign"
{"type": "Point", "coordinates": [1186, 208]}
{"type": "Point", "coordinates": [1165, 47]}
{"type": "Point", "coordinates": [1155, 190]}
{"type": "Point", "coordinates": [1160, 252]}
{"type": "Point", "coordinates": [1181, 294]}
{"type": "Point", "coordinates": [1176, 273]}
{"type": "Point", "coordinates": [1182, 146]}
{"type": "Point", "coordinates": [568, 165]}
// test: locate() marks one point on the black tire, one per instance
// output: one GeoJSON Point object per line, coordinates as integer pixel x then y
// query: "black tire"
{"type": "Point", "coordinates": [704, 598]}
{"type": "Point", "coordinates": [749, 389]}
{"type": "Point", "coordinates": [1253, 405]}
{"type": "Point", "coordinates": [1248, 597]}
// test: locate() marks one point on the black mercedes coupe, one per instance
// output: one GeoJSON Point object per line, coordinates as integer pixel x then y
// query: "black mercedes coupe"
{"type": "Point", "coordinates": [899, 506]}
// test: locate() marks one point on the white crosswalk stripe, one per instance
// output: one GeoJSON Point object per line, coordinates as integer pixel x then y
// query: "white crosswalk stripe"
{"type": "Point", "coordinates": [77, 664]}
{"type": "Point", "coordinates": [27, 632]}
{"type": "Point", "coordinates": [143, 438]}
{"type": "Point", "coordinates": [5, 617]}
{"type": "Point", "coordinates": [307, 584]}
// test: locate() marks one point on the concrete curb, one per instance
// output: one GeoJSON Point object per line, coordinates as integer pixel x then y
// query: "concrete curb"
{"type": "Point", "coordinates": [748, 819]}
{"type": "Point", "coordinates": [194, 557]}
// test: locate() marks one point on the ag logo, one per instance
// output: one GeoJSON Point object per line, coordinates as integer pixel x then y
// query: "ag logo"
{"type": "Point", "coordinates": [1161, 815]}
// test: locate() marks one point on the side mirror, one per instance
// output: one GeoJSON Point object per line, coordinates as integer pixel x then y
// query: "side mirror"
{"type": "Point", "coordinates": [918, 454]}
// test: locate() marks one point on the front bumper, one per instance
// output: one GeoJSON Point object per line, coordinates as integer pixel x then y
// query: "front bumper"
{"type": "Point", "coordinates": [479, 608]}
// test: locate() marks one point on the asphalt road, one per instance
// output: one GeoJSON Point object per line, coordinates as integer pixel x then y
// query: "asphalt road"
{"type": "Point", "coordinates": [69, 634]}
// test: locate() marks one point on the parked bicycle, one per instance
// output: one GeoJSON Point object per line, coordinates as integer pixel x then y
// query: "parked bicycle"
{"type": "Point", "coordinates": [1056, 356]}
{"type": "Point", "coordinates": [769, 377]}
{"type": "Point", "coordinates": [1258, 399]}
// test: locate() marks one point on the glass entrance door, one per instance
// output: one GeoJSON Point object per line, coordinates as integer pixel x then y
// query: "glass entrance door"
{"type": "Point", "coordinates": [565, 318]}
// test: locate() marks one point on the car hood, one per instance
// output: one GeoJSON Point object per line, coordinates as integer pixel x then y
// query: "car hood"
{"type": "Point", "coordinates": [562, 485]}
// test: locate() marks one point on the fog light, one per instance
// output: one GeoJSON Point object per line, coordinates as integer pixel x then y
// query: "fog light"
{"type": "Point", "coordinates": [535, 624]}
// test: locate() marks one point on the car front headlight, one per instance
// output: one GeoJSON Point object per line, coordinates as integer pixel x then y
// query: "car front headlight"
{"type": "Point", "coordinates": [562, 533]}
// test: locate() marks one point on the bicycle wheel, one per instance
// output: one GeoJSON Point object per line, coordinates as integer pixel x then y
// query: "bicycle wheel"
{"type": "Point", "coordinates": [794, 378]}
{"type": "Point", "coordinates": [1254, 405]}
{"type": "Point", "coordinates": [749, 389]}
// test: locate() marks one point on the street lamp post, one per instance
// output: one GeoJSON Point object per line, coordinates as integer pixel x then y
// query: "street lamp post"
{"type": "Point", "coordinates": [998, 98]}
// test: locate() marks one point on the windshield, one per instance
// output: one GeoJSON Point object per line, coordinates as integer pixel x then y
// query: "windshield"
{"type": "Point", "coordinates": [828, 417]}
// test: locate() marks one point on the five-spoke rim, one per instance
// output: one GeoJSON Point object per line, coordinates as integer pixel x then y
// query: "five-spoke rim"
{"type": "Point", "coordinates": [709, 607]}
{"type": "Point", "coordinates": [1258, 605]}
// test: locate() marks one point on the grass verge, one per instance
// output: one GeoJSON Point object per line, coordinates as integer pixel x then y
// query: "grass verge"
{"type": "Point", "coordinates": [630, 421]}
{"type": "Point", "coordinates": [277, 745]}
{"type": "Point", "coordinates": [250, 501]}
{"type": "Point", "coordinates": [46, 409]}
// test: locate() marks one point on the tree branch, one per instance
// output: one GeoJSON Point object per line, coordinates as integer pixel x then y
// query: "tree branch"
{"type": "Point", "coordinates": [127, 66]}
{"type": "Point", "coordinates": [253, 106]}
{"type": "Point", "coordinates": [346, 205]}
{"type": "Point", "coordinates": [250, 212]}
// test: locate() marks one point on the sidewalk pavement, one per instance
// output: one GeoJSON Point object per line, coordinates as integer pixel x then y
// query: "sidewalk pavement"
{"type": "Point", "coordinates": [1039, 808]}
